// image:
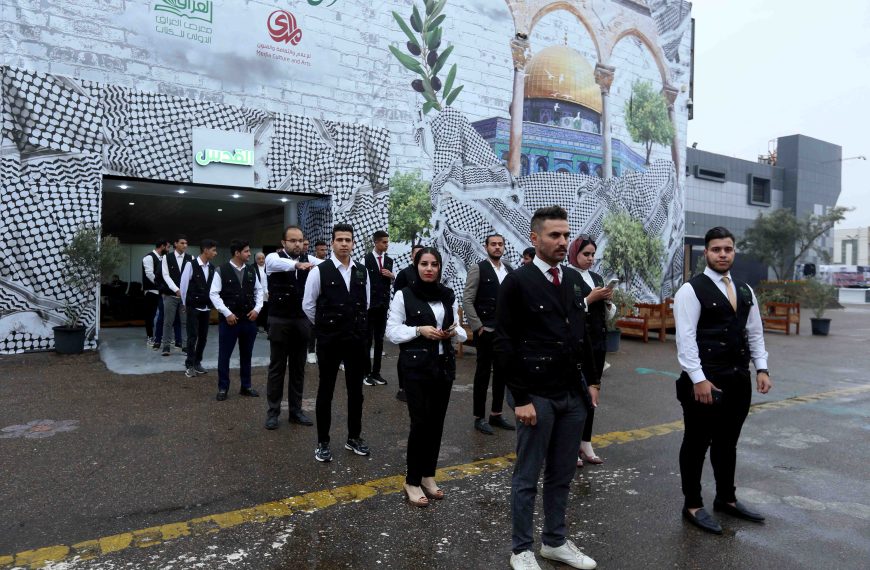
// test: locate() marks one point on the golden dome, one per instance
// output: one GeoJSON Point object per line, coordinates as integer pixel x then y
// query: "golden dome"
{"type": "Point", "coordinates": [561, 73]}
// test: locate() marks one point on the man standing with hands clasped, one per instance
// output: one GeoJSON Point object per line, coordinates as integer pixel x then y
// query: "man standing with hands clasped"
{"type": "Point", "coordinates": [719, 331]}
{"type": "Point", "coordinates": [540, 343]}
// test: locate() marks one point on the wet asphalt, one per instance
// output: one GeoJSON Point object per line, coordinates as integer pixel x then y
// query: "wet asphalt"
{"type": "Point", "coordinates": [155, 449]}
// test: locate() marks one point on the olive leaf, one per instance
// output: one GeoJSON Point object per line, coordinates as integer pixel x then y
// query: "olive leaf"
{"type": "Point", "coordinates": [442, 59]}
{"type": "Point", "coordinates": [407, 61]}
{"type": "Point", "coordinates": [411, 36]}
{"type": "Point", "coordinates": [437, 9]}
{"type": "Point", "coordinates": [433, 38]}
{"type": "Point", "coordinates": [448, 84]}
{"type": "Point", "coordinates": [437, 21]}
{"type": "Point", "coordinates": [453, 94]}
{"type": "Point", "coordinates": [429, 105]}
{"type": "Point", "coordinates": [416, 22]}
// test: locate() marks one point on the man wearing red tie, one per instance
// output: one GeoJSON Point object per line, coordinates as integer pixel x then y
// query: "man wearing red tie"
{"type": "Point", "coordinates": [380, 269]}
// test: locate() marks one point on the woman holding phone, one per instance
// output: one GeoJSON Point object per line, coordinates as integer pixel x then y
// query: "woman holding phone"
{"type": "Point", "coordinates": [423, 320]}
{"type": "Point", "coordinates": [581, 255]}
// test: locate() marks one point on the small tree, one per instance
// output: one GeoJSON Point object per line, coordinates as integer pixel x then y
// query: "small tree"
{"type": "Point", "coordinates": [646, 117]}
{"type": "Point", "coordinates": [780, 239]}
{"type": "Point", "coordinates": [631, 251]}
{"type": "Point", "coordinates": [90, 259]}
{"type": "Point", "coordinates": [818, 297]}
{"type": "Point", "coordinates": [410, 209]}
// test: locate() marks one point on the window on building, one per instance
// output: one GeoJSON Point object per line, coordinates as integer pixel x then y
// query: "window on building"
{"type": "Point", "coordinates": [759, 191]}
{"type": "Point", "coordinates": [542, 164]}
{"type": "Point", "coordinates": [709, 174]}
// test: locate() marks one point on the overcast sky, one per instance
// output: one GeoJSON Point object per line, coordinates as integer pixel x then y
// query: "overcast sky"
{"type": "Point", "coordinates": [769, 68]}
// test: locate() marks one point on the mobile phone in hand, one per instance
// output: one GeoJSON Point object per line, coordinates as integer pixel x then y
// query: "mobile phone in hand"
{"type": "Point", "coordinates": [612, 283]}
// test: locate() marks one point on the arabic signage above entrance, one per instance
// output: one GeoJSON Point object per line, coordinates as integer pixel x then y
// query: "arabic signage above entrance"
{"type": "Point", "coordinates": [223, 157]}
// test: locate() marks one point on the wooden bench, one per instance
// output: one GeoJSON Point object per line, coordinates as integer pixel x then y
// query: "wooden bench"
{"type": "Point", "coordinates": [648, 317]}
{"type": "Point", "coordinates": [780, 316]}
{"type": "Point", "coordinates": [633, 326]}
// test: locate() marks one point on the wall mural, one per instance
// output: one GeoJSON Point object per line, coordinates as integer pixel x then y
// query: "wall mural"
{"type": "Point", "coordinates": [601, 86]}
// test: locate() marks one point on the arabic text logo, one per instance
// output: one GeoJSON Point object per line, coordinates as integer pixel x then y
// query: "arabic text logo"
{"type": "Point", "coordinates": [193, 9]}
{"type": "Point", "coordinates": [282, 27]}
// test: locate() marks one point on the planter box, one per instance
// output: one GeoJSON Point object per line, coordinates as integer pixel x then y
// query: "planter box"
{"type": "Point", "coordinates": [69, 340]}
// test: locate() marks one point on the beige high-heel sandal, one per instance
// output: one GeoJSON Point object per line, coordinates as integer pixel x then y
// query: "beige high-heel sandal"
{"type": "Point", "coordinates": [437, 494]}
{"type": "Point", "coordinates": [419, 502]}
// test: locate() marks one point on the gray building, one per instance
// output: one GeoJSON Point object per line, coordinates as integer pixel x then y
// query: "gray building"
{"type": "Point", "coordinates": [803, 174]}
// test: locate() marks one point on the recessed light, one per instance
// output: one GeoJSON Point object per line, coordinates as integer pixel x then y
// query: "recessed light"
{"type": "Point", "coordinates": [284, 200]}
{"type": "Point", "coordinates": [237, 195]}
{"type": "Point", "coordinates": [220, 209]}
{"type": "Point", "coordinates": [181, 191]}
{"type": "Point", "coordinates": [132, 203]}
{"type": "Point", "coordinates": [123, 186]}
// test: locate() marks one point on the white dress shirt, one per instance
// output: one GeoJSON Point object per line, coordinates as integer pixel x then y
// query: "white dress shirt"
{"type": "Point", "coordinates": [188, 273]}
{"type": "Point", "coordinates": [217, 287]}
{"type": "Point", "coordinates": [148, 266]}
{"type": "Point", "coordinates": [500, 271]}
{"type": "Point", "coordinates": [687, 311]}
{"type": "Point", "coordinates": [398, 332]}
{"type": "Point", "coordinates": [275, 263]}
{"type": "Point", "coordinates": [312, 285]}
{"type": "Point", "coordinates": [179, 259]}
{"type": "Point", "coordinates": [587, 277]}
{"type": "Point", "coordinates": [261, 270]}
{"type": "Point", "coordinates": [545, 269]}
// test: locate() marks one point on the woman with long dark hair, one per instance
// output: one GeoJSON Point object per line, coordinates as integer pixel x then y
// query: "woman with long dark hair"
{"type": "Point", "coordinates": [423, 320]}
{"type": "Point", "coordinates": [581, 255]}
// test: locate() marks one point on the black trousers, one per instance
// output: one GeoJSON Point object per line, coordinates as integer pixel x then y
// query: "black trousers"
{"type": "Point", "coordinates": [716, 426]}
{"type": "Point", "coordinates": [329, 356]}
{"type": "Point", "coordinates": [598, 360]}
{"type": "Point", "coordinates": [485, 364]}
{"type": "Point", "coordinates": [377, 328]}
{"type": "Point", "coordinates": [428, 394]}
{"type": "Point", "coordinates": [263, 316]}
{"type": "Point", "coordinates": [197, 335]}
{"type": "Point", "coordinates": [151, 302]}
{"type": "Point", "coordinates": [288, 347]}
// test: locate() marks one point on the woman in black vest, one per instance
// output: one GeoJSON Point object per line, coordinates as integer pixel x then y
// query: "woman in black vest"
{"type": "Point", "coordinates": [581, 255]}
{"type": "Point", "coordinates": [423, 319]}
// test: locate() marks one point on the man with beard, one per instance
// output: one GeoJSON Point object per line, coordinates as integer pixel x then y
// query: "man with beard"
{"type": "Point", "coordinates": [719, 330]}
{"type": "Point", "coordinates": [479, 305]}
{"type": "Point", "coordinates": [289, 328]}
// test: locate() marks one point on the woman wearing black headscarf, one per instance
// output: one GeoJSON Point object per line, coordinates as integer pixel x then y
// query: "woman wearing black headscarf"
{"type": "Point", "coordinates": [423, 319]}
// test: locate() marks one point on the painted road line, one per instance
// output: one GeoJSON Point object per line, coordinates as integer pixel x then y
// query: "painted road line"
{"type": "Point", "coordinates": [320, 500]}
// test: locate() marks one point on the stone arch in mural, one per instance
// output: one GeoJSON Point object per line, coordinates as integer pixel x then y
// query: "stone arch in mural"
{"type": "Point", "coordinates": [569, 7]}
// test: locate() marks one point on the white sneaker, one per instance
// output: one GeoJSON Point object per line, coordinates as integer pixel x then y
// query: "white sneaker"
{"type": "Point", "coordinates": [606, 366]}
{"type": "Point", "coordinates": [524, 561]}
{"type": "Point", "coordinates": [341, 366]}
{"type": "Point", "coordinates": [568, 554]}
{"type": "Point", "coordinates": [312, 358]}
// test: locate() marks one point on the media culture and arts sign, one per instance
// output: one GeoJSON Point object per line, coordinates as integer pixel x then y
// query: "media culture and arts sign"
{"type": "Point", "coordinates": [286, 34]}
{"type": "Point", "coordinates": [189, 20]}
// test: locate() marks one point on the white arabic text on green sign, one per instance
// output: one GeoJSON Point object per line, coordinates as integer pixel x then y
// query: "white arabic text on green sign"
{"type": "Point", "coordinates": [240, 157]}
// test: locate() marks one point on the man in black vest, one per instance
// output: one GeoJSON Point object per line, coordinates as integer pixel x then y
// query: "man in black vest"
{"type": "Point", "coordinates": [196, 280]}
{"type": "Point", "coordinates": [539, 341]}
{"type": "Point", "coordinates": [719, 331]}
{"type": "Point", "coordinates": [336, 301]}
{"type": "Point", "coordinates": [172, 266]}
{"type": "Point", "coordinates": [289, 329]}
{"type": "Point", "coordinates": [403, 279]}
{"type": "Point", "coordinates": [478, 304]}
{"type": "Point", "coordinates": [152, 278]}
{"type": "Point", "coordinates": [380, 268]}
{"type": "Point", "coordinates": [237, 294]}
{"type": "Point", "coordinates": [321, 252]}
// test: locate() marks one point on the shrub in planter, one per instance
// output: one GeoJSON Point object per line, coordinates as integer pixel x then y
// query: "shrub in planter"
{"type": "Point", "coordinates": [624, 302]}
{"type": "Point", "coordinates": [819, 297]}
{"type": "Point", "coordinates": [89, 259]}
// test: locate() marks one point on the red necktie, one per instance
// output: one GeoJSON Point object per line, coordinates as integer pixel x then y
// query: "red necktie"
{"type": "Point", "coordinates": [380, 265]}
{"type": "Point", "coordinates": [554, 271]}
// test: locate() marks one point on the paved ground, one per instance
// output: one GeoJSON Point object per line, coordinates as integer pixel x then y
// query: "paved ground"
{"type": "Point", "coordinates": [151, 472]}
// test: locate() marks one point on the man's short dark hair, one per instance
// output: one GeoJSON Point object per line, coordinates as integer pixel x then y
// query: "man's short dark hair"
{"type": "Point", "coordinates": [490, 236]}
{"type": "Point", "coordinates": [288, 228]}
{"type": "Point", "coordinates": [160, 243]}
{"type": "Point", "coordinates": [548, 213]}
{"type": "Point", "coordinates": [529, 252]}
{"type": "Point", "coordinates": [379, 235]}
{"type": "Point", "coordinates": [237, 245]}
{"type": "Point", "coordinates": [180, 237]}
{"type": "Point", "coordinates": [342, 228]}
{"type": "Point", "coordinates": [717, 233]}
{"type": "Point", "coordinates": [320, 242]}
{"type": "Point", "coordinates": [207, 244]}
{"type": "Point", "coordinates": [417, 246]}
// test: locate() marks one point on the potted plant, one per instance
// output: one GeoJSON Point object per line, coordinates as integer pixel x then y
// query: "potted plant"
{"type": "Point", "coordinates": [89, 259]}
{"type": "Point", "coordinates": [624, 302]}
{"type": "Point", "coordinates": [818, 297]}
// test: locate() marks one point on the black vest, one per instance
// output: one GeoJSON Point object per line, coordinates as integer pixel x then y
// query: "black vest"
{"type": "Point", "coordinates": [379, 285]}
{"type": "Point", "coordinates": [341, 315]}
{"type": "Point", "coordinates": [405, 277]}
{"type": "Point", "coordinates": [286, 289]}
{"type": "Point", "coordinates": [198, 287]}
{"type": "Point", "coordinates": [174, 271]}
{"type": "Point", "coordinates": [596, 317]}
{"type": "Point", "coordinates": [418, 313]}
{"type": "Point", "coordinates": [721, 333]}
{"type": "Point", "coordinates": [487, 292]}
{"type": "Point", "coordinates": [157, 284]}
{"type": "Point", "coordinates": [239, 299]}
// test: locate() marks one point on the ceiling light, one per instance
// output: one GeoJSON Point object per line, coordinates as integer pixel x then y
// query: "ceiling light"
{"type": "Point", "coordinates": [132, 203]}
{"type": "Point", "coordinates": [237, 195]}
{"type": "Point", "coordinates": [284, 200]}
{"type": "Point", "coordinates": [220, 209]}
{"type": "Point", "coordinates": [181, 191]}
{"type": "Point", "coordinates": [123, 186]}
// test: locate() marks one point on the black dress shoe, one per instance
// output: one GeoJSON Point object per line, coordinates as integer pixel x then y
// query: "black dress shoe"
{"type": "Point", "coordinates": [400, 395]}
{"type": "Point", "coordinates": [301, 419]}
{"type": "Point", "coordinates": [500, 422]}
{"type": "Point", "coordinates": [739, 510]}
{"type": "Point", "coordinates": [272, 422]}
{"type": "Point", "coordinates": [221, 396]}
{"type": "Point", "coordinates": [703, 520]}
{"type": "Point", "coordinates": [483, 427]}
{"type": "Point", "coordinates": [250, 392]}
